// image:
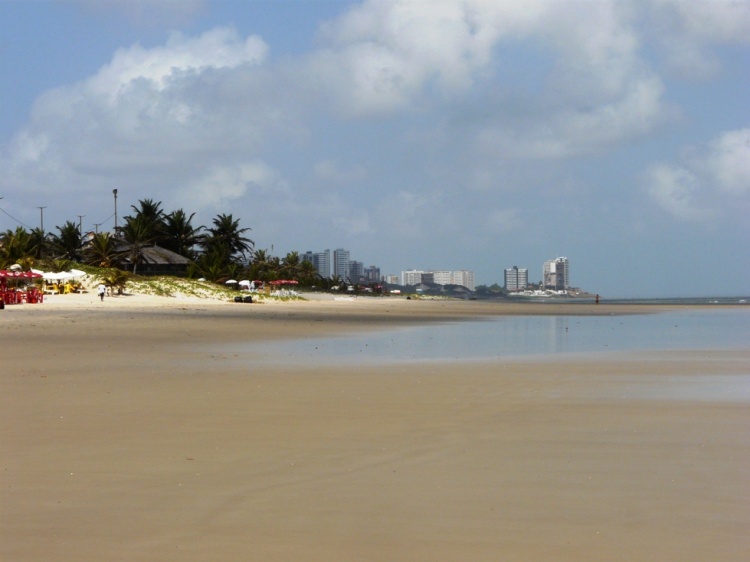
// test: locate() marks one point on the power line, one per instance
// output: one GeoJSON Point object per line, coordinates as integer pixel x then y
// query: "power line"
{"type": "Point", "coordinates": [6, 213]}
{"type": "Point", "coordinates": [15, 219]}
{"type": "Point", "coordinates": [105, 221]}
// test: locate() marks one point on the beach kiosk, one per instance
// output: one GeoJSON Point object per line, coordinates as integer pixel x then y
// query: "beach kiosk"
{"type": "Point", "coordinates": [14, 294]}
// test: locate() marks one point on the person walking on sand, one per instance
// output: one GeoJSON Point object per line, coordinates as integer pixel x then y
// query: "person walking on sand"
{"type": "Point", "coordinates": [102, 289]}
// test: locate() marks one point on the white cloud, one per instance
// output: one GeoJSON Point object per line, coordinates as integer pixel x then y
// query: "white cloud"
{"type": "Point", "coordinates": [711, 181]}
{"type": "Point", "coordinates": [216, 49]}
{"type": "Point", "coordinates": [728, 161]}
{"type": "Point", "coordinates": [387, 55]}
{"type": "Point", "coordinates": [690, 29]}
{"type": "Point", "coordinates": [395, 57]}
{"type": "Point", "coordinates": [675, 190]}
{"type": "Point", "coordinates": [725, 21]}
{"type": "Point", "coordinates": [329, 172]}
{"type": "Point", "coordinates": [220, 187]}
{"type": "Point", "coordinates": [151, 117]}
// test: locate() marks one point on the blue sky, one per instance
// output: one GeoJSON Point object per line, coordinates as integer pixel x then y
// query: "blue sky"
{"type": "Point", "coordinates": [472, 134]}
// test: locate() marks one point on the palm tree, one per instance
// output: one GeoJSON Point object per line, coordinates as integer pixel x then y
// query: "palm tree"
{"type": "Point", "coordinates": [68, 243]}
{"type": "Point", "coordinates": [212, 265]}
{"type": "Point", "coordinates": [290, 265]}
{"type": "Point", "coordinates": [308, 275]}
{"type": "Point", "coordinates": [265, 266]}
{"type": "Point", "coordinates": [101, 251]}
{"type": "Point", "coordinates": [116, 279]}
{"type": "Point", "coordinates": [227, 237]}
{"type": "Point", "coordinates": [179, 235]}
{"type": "Point", "coordinates": [59, 264]}
{"type": "Point", "coordinates": [151, 216]}
{"type": "Point", "coordinates": [17, 245]}
{"type": "Point", "coordinates": [138, 234]}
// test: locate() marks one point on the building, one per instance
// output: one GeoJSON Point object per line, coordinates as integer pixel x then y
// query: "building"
{"type": "Point", "coordinates": [154, 260]}
{"type": "Point", "coordinates": [372, 274]}
{"type": "Point", "coordinates": [440, 278]}
{"type": "Point", "coordinates": [516, 278]}
{"type": "Point", "coordinates": [556, 274]}
{"type": "Point", "coordinates": [321, 261]}
{"type": "Point", "coordinates": [465, 278]}
{"type": "Point", "coordinates": [356, 271]}
{"type": "Point", "coordinates": [411, 277]}
{"type": "Point", "coordinates": [341, 263]}
{"type": "Point", "coordinates": [462, 277]}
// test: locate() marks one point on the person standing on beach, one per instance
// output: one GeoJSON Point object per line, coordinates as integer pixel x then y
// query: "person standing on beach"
{"type": "Point", "coordinates": [102, 289]}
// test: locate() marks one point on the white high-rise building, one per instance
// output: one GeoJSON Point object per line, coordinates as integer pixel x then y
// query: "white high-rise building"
{"type": "Point", "coordinates": [439, 277]}
{"type": "Point", "coordinates": [463, 277]}
{"type": "Point", "coordinates": [341, 263]}
{"type": "Point", "coordinates": [411, 277]}
{"type": "Point", "coordinates": [556, 274]}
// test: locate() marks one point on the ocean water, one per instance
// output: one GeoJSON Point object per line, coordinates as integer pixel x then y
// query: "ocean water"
{"type": "Point", "coordinates": [522, 336]}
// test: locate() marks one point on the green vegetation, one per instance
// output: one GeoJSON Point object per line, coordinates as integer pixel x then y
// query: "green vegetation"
{"type": "Point", "coordinates": [216, 253]}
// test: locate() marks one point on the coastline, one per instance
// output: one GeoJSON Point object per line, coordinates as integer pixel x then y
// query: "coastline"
{"type": "Point", "coordinates": [123, 438]}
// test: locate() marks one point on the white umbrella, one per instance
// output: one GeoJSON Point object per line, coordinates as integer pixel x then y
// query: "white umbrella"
{"type": "Point", "coordinates": [244, 282]}
{"type": "Point", "coordinates": [72, 274]}
{"type": "Point", "coordinates": [230, 281]}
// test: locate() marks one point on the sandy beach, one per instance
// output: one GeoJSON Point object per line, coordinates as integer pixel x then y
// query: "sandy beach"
{"type": "Point", "coordinates": [125, 437]}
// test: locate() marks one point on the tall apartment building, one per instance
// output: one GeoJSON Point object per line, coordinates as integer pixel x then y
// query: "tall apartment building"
{"type": "Point", "coordinates": [372, 274]}
{"type": "Point", "coordinates": [321, 261]}
{"type": "Point", "coordinates": [556, 274]}
{"type": "Point", "coordinates": [341, 263]}
{"type": "Point", "coordinates": [516, 278]}
{"type": "Point", "coordinates": [356, 271]}
{"type": "Point", "coordinates": [465, 278]}
{"type": "Point", "coordinates": [411, 277]}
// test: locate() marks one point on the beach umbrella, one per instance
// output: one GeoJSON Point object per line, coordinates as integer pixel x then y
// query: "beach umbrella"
{"type": "Point", "coordinates": [244, 282]}
{"type": "Point", "coordinates": [9, 274]}
{"type": "Point", "coordinates": [72, 274]}
{"type": "Point", "coordinates": [230, 282]}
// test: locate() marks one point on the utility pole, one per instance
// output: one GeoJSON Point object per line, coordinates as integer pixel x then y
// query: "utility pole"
{"type": "Point", "coordinates": [41, 217]}
{"type": "Point", "coordinates": [80, 224]}
{"type": "Point", "coordinates": [96, 226]}
{"type": "Point", "coordinates": [114, 191]}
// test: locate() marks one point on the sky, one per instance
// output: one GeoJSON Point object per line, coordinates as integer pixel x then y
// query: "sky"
{"type": "Point", "coordinates": [440, 134]}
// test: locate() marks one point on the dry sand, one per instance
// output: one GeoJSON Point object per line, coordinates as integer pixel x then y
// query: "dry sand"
{"type": "Point", "coordinates": [124, 437]}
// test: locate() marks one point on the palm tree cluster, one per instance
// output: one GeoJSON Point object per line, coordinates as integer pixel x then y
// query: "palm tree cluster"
{"type": "Point", "coordinates": [220, 248]}
{"type": "Point", "coordinates": [217, 252]}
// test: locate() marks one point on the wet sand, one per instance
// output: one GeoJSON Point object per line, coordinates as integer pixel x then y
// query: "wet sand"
{"type": "Point", "coordinates": [124, 437]}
